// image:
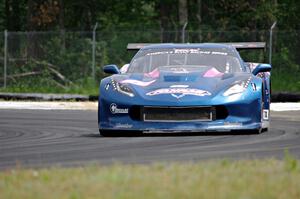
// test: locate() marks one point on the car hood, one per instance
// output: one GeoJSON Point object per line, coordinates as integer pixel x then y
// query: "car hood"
{"type": "Point", "coordinates": [184, 86]}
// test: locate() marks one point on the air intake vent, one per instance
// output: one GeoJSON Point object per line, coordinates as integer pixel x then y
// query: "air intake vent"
{"type": "Point", "coordinates": [178, 114]}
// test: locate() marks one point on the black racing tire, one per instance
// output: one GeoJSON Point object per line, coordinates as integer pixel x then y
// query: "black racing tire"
{"type": "Point", "coordinates": [107, 133]}
{"type": "Point", "coordinates": [252, 131]}
{"type": "Point", "coordinates": [259, 131]}
{"type": "Point", "coordinates": [119, 133]}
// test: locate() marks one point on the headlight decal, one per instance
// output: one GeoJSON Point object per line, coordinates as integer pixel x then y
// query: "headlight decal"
{"type": "Point", "coordinates": [114, 84]}
{"type": "Point", "coordinates": [248, 81]}
{"type": "Point", "coordinates": [122, 88]}
{"type": "Point", "coordinates": [237, 88]}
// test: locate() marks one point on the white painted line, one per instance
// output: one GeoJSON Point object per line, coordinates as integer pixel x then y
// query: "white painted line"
{"type": "Point", "coordinates": [19, 105]}
{"type": "Point", "coordinates": [285, 106]}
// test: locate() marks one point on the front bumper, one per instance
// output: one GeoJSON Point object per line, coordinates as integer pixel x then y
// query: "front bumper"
{"type": "Point", "coordinates": [182, 127]}
{"type": "Point", "coordinates": [244, 115]}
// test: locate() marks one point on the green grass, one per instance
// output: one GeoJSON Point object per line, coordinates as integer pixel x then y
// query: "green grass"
{"type": "Point", "coordinates": [209, 179]}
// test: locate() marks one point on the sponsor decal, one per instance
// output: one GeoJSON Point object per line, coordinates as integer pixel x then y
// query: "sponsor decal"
{"type": "Point", "coordinates": [265, 114]}
{"type": "Point", "coordinates": [124, 126]}
{"type": "Point", "coordinates": [179, 86]}
{"type": "Point", "coordinates": [115, 110]}
{"type": "Point", "coordinates": [179, 92]}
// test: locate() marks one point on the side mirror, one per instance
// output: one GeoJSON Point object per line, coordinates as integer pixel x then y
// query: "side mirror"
{"type": "Point", "coordinates": [111, 69]}
{"type": "Point", "coordinates": [262, 68]}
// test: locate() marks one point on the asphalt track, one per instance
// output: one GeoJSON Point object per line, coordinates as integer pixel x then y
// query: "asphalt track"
{"type": "Point", "coordinates": [46, 138]}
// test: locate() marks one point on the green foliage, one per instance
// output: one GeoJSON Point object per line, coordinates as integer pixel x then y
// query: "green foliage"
{"type": "Point", "coordinates": [285, 80]}
{"type": "Point", "coordinates": [283, 60]}
{"type": "Point", "coordinates": [122, 22]}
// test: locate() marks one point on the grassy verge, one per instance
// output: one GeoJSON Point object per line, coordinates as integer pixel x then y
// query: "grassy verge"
{"type": "Point", "coordinates": [211, 179]}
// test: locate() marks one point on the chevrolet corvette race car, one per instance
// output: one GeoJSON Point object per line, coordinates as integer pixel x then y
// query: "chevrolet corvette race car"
{"type": "Point", "coordinates": [185, 88]}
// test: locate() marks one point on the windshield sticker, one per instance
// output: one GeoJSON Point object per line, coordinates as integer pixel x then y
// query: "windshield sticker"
{"type": "Point", "coordinates": [137, 82]}
{"type": "Point", "coordinates": [160, 53]}
{"type": "Point", "coordinates": [188, 51]}
{"type": "Point", "coordinates": [179, 92]}
{"type": "Point", "coordinates": [219, 53]}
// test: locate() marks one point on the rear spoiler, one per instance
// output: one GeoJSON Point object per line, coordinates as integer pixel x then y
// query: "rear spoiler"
{"type": "Point", "coordinates": [138, 46]}
{"type": "Point", "coordinates": [237, 45]}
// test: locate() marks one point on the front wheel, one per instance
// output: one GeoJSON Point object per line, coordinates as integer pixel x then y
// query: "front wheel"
{"type": "Point", "coordinates": [119, 133]}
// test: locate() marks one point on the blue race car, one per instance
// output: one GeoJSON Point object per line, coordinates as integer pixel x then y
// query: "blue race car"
{"type": "Point", "coordinates": [185, 88]}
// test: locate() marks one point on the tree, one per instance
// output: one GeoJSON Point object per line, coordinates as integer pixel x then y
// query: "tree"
{"type": "Point", "coordinates": [182, 12]}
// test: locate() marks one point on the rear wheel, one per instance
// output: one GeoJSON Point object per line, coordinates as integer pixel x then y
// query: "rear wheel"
{"type": "Point", "coordinates": [264, 129]}
{"type": "Point", "coordinates": [260, 130]}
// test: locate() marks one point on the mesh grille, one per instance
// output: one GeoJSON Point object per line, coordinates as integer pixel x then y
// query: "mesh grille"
{"type": "Point", "coordinates": [178, 113]}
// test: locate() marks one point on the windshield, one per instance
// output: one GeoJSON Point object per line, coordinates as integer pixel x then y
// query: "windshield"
{"type": "Point", "coordinates": [191, 59]}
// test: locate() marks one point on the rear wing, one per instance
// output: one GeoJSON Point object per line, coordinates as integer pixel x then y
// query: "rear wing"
{"type": "Point", "coordinates": [138, 46]}
{"type": "Point", "coordinates": [237, 45]}
{"type": "Point", "coordinates": [247, 45]}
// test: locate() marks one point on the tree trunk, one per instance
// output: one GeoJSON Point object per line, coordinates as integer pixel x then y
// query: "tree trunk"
{"type": "Point", "coordinates": [32, 44]}
{"type": "Point", "coordinates": [7, 13]}
{"type": "Point", "coordinates": [253, 24]}
{"type": "Point", "coordinates": [62, 24]}
{"type": "Point", "coordinates": [30, 11]}
{"type": "Point", "coordinates": [182, 15]}
{"type": "Point", "coordinates": [182, 12]}
{"type": "Point", "coordinates": [199, 18]}
{"type": "Point", "coordinates": [164, 22]}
